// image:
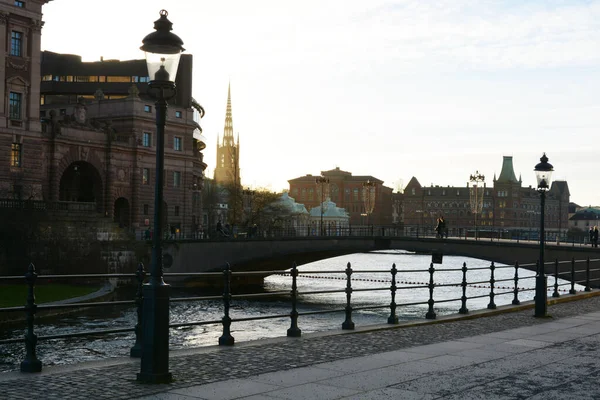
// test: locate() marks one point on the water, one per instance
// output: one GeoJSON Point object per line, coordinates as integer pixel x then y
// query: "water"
{"type": "Point", "coordinates": [412, 273]}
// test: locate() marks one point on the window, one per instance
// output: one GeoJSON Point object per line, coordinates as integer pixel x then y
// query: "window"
{"type": "Point", "coordinates": [177, 114]}
{"type": "Point", "coordinates": [16, 44]}
{"type": "Point", "coordinates": [145, 209]}
{"type": "Point", "coordinates": [177, 143]}
{"type": "Point", "coordinates": [144, 79]}
{"type": "Point", "coordinates": [15, 157]}
{"type": "Point", "coordinates": [19, 3]}
{"type": "Point", "coordinates": [147, 108]}
{"type": "Point", "coordinates": [147, 139]}
{"type": "Point", "coordinates": [15, 105]}
{"type": "Point", "coordinates": [145, 176]}
{"type": "Point", "coordinates": [311, 194]}
{"type": "Point", "coordinates": [176, 211]}
{"type": "Point", "coordinates": [355, 194]}
{"type": "Point", "coordinates": [176, 179]}
{"type": "Point", "coordinates": [413, 191]}
{"type": "Point", "coordinates": [118, 79]}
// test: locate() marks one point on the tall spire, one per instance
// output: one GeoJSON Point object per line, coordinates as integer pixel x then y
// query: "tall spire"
{"type": "Point", "coordinates": [228, 130]}
{"type": "Point", "coordinates": [227, 170]}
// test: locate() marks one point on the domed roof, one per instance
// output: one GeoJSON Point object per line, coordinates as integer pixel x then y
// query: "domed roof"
{"type": "Point", "coordinates": [329, 211]}
{"type": "Point", "coordinates": [289, 204]}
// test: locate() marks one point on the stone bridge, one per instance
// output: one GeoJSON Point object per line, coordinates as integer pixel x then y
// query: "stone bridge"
{"type": "Point", "coordinates": [281, 253]}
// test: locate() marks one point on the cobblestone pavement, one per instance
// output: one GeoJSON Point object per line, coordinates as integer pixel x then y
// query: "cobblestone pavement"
{"type": "Point", "coordinates": [206, 365]}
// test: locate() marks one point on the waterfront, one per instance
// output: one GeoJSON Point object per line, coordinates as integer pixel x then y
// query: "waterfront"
{"type": "Point", "coordinates": [66, 351]}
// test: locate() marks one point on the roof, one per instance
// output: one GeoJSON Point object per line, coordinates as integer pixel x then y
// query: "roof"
{"type": "Point", "coordinates": [586, 214]}
{"type": "Point", "coordinates": [329, 211]}
{"type": "Point", "coordinates": [507, 175]}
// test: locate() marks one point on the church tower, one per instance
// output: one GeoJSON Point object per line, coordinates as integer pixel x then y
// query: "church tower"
{"type": "Point", "coordinates": [227, 170]}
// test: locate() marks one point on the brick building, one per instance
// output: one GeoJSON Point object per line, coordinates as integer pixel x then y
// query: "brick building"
{"type": "Point", "coordinates": [82, 134]}
{"type": "Point", "coordinates": [348, 192]}
{"type": "Point", "coordinates": [506, 205]}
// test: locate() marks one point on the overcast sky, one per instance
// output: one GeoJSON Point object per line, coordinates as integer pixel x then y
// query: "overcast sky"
{"type": "Point", "coordinates": [435, 89]}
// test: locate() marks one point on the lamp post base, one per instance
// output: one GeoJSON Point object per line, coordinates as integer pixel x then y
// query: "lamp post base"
{"type": "Point", "coordinates": [155, 337]}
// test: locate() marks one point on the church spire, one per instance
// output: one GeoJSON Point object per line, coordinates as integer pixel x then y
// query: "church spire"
{"type": "Point", "coordinates": [227, 170]}
{"type": "Point", "coordinates": [228, 130]}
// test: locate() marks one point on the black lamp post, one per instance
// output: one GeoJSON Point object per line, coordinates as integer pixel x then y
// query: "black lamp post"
{"type": "Point", "coordinates": [321, 180]}
{"type": "Point", "coordinates": [163, 49]}
{"type": "Point", "coordinates": [543, 173]}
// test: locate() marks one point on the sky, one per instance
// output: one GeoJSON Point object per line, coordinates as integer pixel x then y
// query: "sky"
{"type": "Point", "coordinates": [435, 89]}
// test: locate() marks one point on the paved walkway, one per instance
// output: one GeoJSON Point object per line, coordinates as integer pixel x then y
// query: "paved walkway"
{"type": "Point", "coordinates": [502, 356]}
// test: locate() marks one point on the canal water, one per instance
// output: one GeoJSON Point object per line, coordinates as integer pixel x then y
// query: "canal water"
{"type": "Point", "coordinates": [412, 274]}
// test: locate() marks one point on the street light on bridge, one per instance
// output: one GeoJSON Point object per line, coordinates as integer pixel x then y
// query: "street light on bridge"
{"type": "Point", "coordinates": [322, 180]}
{"type": "Point", "coordinates": [476, 196]}
{"type": "Point", "coordinates": [543, 174]}
{"type": "Point", "coordinates": [163, 50]}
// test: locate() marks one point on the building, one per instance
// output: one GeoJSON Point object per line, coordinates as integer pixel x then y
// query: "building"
{"type": "Point", "coordinates": [227, 170]}
{"type": "Point", "coordinates": [81, 135]}
{"type": "Point", "coordinates": [356, 194]}
{"type": "Point", "coordinates": [505, 205]}
{"type": "Point", "coordinates": [21, 150]}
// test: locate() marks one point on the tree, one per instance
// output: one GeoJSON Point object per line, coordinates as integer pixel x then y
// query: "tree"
{"type": "Point", "coordinates": [213, 196]}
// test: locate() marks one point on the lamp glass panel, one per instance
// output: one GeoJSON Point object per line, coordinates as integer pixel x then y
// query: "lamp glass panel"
{"type": "Point", "coordinates": [156, 60]}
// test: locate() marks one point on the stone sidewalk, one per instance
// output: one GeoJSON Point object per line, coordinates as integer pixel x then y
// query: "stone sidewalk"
{"type": "Point", "coordinates": [458, 356]}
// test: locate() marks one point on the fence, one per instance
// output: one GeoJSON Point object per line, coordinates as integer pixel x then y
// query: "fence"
{"type": "Point", "coordinates": [395, 283]}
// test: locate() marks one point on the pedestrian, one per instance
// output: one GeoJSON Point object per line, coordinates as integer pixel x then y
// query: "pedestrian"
{"type": "Point", "coordinates": [591, 233]}
{"type": "Point", "coordinates": [440, 227]}
{"type": "Point", "coordinates": [595, 236]}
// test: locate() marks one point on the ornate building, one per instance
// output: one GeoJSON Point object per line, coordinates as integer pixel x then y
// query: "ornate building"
{"type": "Point", "coordinates": [21, 139]}
{"type": "Point", "coordinates": [227, 170]}
{"type": "Point", "coordinates": [348, 192]}
{"type": "Point", "coordinates": [80, 136]}
{"type": "Point", "coordinates": [506, 205]}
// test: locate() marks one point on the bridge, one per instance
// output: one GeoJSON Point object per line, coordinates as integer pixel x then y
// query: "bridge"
{"type": "Point", "coordinates": [262, 254]}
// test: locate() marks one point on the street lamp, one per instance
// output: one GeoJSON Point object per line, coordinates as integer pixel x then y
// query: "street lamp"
{"type": "Point", "coordinates": [543, 174]}
{"type": "Point", "coordinates": [368, 198]}
{"type": "Point", "coordinates": [163, 49]}
{"type": "Point", "coordinates": [476, 196]}
{"type": "Point", "coordinates": [322, 180]}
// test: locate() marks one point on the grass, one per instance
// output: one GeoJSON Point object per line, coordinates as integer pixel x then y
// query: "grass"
{"type": "Point", "coordinates": [16, 295]}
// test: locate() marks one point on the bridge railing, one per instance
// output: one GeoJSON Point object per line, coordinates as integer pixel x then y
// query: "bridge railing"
{"type": "Point", "coordinates": [416, 231]}
{"type": "Point", "coordinates": [352, 282]}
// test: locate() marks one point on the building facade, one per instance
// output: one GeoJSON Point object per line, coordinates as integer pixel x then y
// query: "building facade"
{"type": "Point", "coordinates": [82, 135]}
{"type": "Point", "coordinates": [21, 150]}
{"type": "Point", "coordinates": [505, 205]}
{"type": "Point", "coordinates": [356, 194]}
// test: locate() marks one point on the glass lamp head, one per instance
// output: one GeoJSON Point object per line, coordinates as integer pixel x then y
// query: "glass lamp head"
{"type": "Point", "coordinates": [543, 173]}
{"type": "Point", "coordinates": [163, 49]}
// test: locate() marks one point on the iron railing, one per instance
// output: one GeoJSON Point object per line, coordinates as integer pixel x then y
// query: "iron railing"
{"type": "Point", "coordinates": [395, 284]}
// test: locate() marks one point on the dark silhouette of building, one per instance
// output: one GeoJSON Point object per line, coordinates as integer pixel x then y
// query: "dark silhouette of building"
{"type": "Point", "coordinates": [81, 135]}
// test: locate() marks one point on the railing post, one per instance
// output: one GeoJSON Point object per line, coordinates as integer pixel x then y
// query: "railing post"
{"type": "Point", "coordinates": [140, 274]}
{"type": "Point", "coordinates": [463, 300]}
{"type": "Point", "coordinates": [516, 301]}
{"type": "Point", "coordinates": [226, 339]}
{"type": "Point", "coordinates": [31, 362]}
{"type": "Point", "coordinates": [492, 305]}
{"type": "Point", "coordinates": [587, 275]}
{"type": "Point", "coordinates": [573, 291]}
{"type": "Point", "coordinates": [430, 312]}
{"type": "Point", "coordinates": [393, 318]}
{"type": "Point", "coordinates": [348, 324]}
{"type": "Point", "coordinates": [294, 331]}
{"type": "Point", "coordinates": [556, 294]}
